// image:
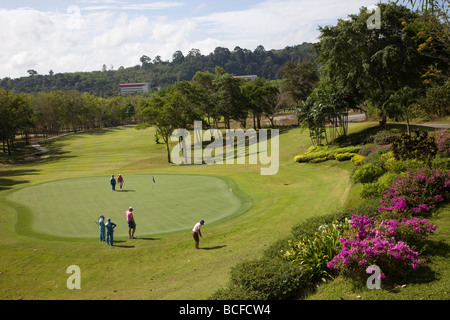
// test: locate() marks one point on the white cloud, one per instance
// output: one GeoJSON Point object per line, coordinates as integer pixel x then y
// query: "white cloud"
{"type": "Point", "coordinates": [86, 39]}
{"type": "Point", "coordinates": [115, 5]}
{"type": "Point", "coordinates": [275, 24]}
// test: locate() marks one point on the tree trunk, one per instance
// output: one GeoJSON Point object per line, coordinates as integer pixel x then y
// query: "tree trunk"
{"type": "Point", "coordinates": [407, 124]}
{"type": "Point", "coordinates": [168, 151]}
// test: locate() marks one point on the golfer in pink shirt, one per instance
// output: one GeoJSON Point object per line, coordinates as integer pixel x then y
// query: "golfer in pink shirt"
{"type": "Point", "coordinates": [120, 181]}
{"type": "Point", "coordinates": [196, 233]}
{"type": "Point", "coordinates": [131, 223]}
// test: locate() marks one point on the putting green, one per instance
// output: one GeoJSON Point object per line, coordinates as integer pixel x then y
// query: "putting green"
{"type": "Point", "coordinates": [71, 207]}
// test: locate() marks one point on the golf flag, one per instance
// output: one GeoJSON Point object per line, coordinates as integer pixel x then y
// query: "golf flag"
{"type": "Point", "coordinates": [153, 188]}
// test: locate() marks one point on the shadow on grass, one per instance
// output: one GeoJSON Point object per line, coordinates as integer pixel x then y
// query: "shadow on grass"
{"type": "Point", "coordinates": [212, 248]}
{"type": "Point", "coordinates": [131, 246]}
{"type": "Point", "coordinates": [6, 183]}
{"type": "Point", "coordinates": [122, 246]}
{"type": "Point", "coordinates": [26, 154]}
{"type": "Point", "coordinates": [100, 132]}
{"type": "Point", "coordinates": [366, 135]}
{"type": "Point", "coordinates": [424, 273]}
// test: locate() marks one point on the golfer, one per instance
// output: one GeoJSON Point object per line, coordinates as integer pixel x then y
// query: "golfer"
{"type": "Point", "coordinates": [131, 223]}
{"type": "Point", "coordinates": [196, 233]}
{"type": "Point", "coordinates": [120, 181]}
{"type": "Point", "coordinates": [110, 232]}
{"type": "Point", "coordinates": [101, 224]}
{"type": "Point", "coordinates": [113, 183]}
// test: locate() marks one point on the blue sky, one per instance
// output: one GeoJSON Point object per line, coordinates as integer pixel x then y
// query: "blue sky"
{"type": "Point", "coordinates": [82, 35]}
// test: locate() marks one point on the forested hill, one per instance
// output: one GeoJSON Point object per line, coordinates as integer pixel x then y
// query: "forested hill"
{"type": "Point", "coordinates": [104, 83]}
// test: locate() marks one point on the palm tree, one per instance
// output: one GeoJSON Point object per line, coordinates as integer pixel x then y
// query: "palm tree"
{"type": "Point", "coordinates": [312, 116]}
{"type": "Point", "coordinates": [423, 4]}
{"type": "Point", "coordinates": [402, 100]}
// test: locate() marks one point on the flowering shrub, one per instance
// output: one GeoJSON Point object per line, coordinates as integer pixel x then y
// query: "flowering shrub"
{"type": "Point", "coordinates": [384, 137]}
{"type": "Point", "coordinates": [313, 253]}
{"type": "Point", "coordinates": [382, 244]}
{"type": "Point", "coordinates": [419, 191]}
{"type": "Point", "coordinates": [410, 230]}
{"type": "Point", "coordinates": [420, 146]}
{"type": "Point", "coordinates": [379, 156]}
{"type": "Point", "coordinates": [442, 139]}
{"type": "Point", "coordinates": [371, 149]}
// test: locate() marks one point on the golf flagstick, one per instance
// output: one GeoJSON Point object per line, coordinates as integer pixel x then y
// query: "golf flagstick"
{"type": "Point", "coordinates": [153, 188]}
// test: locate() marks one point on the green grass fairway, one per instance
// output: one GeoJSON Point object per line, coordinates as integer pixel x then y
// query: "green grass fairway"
{"type": "Point", "coordinates": [71, 207]}
{"type": "Point", "coordinates": [49, 207]}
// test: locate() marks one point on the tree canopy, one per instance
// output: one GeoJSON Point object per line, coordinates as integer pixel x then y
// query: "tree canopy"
{"type": "Point", "coordinates": [104, 83]}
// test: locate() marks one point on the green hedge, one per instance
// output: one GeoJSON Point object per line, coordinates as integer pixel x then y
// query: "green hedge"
{"type": "Point", "coordinates": [327, 153]}
{"type": "Point", "coordinates": [368, 173]}
{"type": "Point", "coordinates": [264, 279]}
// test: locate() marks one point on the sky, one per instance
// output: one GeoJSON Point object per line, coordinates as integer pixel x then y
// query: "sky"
{"type": "Point", "coordinates": [83, 35]}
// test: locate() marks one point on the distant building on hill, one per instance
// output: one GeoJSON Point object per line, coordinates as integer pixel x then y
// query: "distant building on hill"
{"type": "Point", "coordinates": [134, 88]}
{"type": "Point", "coordinates": [250, 77]}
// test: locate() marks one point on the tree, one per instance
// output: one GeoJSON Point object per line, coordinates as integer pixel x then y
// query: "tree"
{"type": "Point", "coordinates": [47, 108]}
{"type": "Point", "coordinates": [368, 63]}
{"type": "Point", "coordinates": [177, 57]}
{"type": "Point", "coordinates": [432, 31]}
{"type": "Point", "coordinates": [299, 80]}
{"type": "Point", "coordinates": [145, 60]}
{"type": "Point", "coordinates": [170, 109]}
{"type": "Point", "coordinates": [311, 116]}
{"type": "Point", "coordinates": [221, 55]}
{"type": "Point", "coordinates": [158, 60]}
{"type": "Point", "coordinates": [229, 97]}
{"type": "Point", "coordinates": [160, 114]}
{"type": "Point", "coordinates": [264, 98]}
{"type": "Point", "coordinates": [273, 101]}
{"type": "Point", "coordinates": [400, 103]}
{"type": "Point", "coordinates": [210, 108]}
{"type": "Point", "coordinates": [15, 116]}
{"type": "Point", "coordinates": [424, 5]}
{"type": "Point", "coordinates": [252, 90]}
{"type": "Point", "coordinates": [193, 54]}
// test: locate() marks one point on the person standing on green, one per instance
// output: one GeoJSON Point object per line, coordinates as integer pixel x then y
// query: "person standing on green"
{"type": "Point", "coordinates": [196, 233]}
{"type": "Point", "coordinates": [120, 181]}
{"type": "Point", "coordinates": [131, 223]}
{"type": "Point", "coordinates": [110, 232]}
{"type": "Point", "coordinates": [101, 224]}
{"type": "Point", "coordinates": [113, 183]}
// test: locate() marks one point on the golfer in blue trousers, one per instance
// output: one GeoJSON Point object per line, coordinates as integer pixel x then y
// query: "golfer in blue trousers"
{"type": "Point", "coordinates": [101, 224]}
{"type": "Point", "coordinates": [113, 183]}
{"type": "Point", "coordinates": [110, 232]}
